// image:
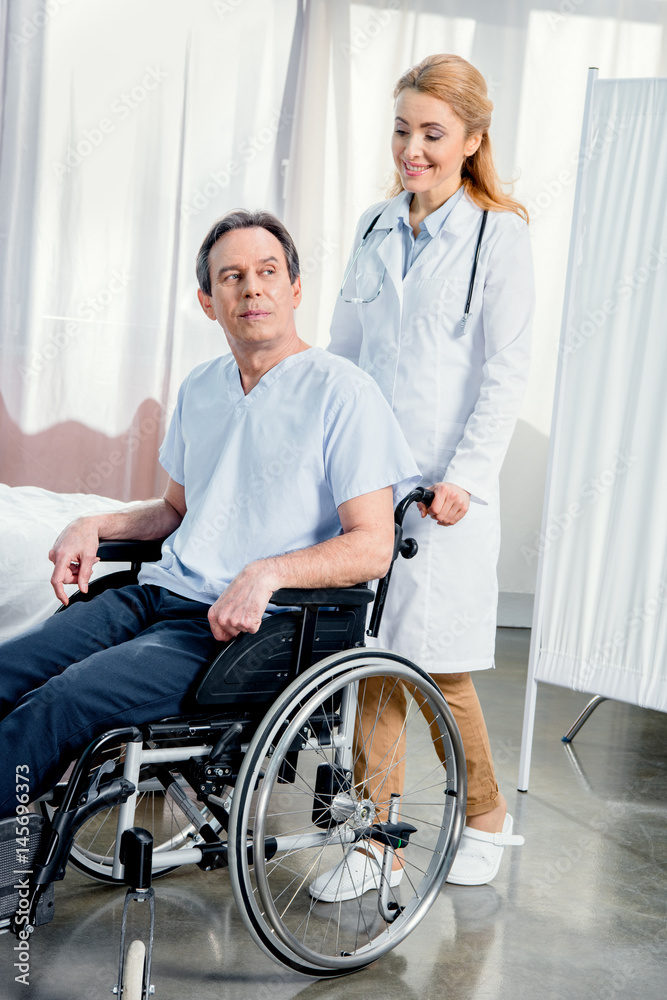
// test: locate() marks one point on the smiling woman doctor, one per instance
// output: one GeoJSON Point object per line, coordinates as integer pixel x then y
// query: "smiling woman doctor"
{"type": "Point", "coordinates": [436, 304]}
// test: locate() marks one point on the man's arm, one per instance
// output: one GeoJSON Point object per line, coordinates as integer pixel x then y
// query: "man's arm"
{"type": "Point", "coordinates": [74, 551]}
{"type": "Point", "coordinates": [363, 552]}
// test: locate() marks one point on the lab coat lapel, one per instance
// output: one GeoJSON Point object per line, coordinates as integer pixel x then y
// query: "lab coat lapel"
{"type": "Point", "coordinates": [390, 250]}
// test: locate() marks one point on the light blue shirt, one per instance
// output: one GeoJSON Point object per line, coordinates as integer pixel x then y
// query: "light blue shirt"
{"type": "Point", "coordinates": [428, 227]}
{"type": "Point", "coordinates": [264, 473]}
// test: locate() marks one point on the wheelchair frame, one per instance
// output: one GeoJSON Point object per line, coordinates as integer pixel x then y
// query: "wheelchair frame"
{"type": "Point", "coordinates": [236, 772]}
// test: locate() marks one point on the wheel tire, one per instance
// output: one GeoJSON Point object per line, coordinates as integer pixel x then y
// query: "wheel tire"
{"type": "Point", "coordinates": [94, 844]}
{"type": "Point", "coordinates": [336, 938]}
{"type": "Point", "coordinates": [133, 973]}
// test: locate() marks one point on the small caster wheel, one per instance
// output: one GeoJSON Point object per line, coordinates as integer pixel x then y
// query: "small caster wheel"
{"type": "Point", "coordinates": [135, 965]}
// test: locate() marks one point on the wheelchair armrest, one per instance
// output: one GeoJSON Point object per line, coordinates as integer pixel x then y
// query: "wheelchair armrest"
{"type": "Point", "coordinates": [324, 597]}
{"type": "Point", "coordinates": [130, 550]}
{"type": "Point", "coordinates": [137, 551]}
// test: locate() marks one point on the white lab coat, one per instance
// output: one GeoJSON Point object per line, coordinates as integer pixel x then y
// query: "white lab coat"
{"type": "Point", "coordinates": [456, 398]}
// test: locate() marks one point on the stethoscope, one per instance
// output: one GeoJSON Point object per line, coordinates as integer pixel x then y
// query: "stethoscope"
{"type": "Point", "coordinates": [371, 229]}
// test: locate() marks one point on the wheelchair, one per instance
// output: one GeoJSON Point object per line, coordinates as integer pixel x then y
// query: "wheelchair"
{"type": "Point", "coordinates": [274, 777]}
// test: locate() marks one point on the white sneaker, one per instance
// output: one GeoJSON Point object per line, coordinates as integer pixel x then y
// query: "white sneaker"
{"type": "Point", "coordinates": [479, 855]}
{"type": "Point", "coordinates": [354, 875]}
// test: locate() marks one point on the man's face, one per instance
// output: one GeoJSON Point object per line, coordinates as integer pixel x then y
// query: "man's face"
{"type": "Point", "coordinates": [251, 294]}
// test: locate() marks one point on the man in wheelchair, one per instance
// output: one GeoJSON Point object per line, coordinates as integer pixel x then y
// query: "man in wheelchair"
{"type": "Point", "coordinates": [281, 461]}
{"type": "Point", "coordinates": [281, 458]}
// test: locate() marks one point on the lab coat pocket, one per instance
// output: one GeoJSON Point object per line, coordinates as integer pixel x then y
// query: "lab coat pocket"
{"type": "Point", "coordinates": [432, 309]}
{"type": "Point", "coordinates": [442, 294]}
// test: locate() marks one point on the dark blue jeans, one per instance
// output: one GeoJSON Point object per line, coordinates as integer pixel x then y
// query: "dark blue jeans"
{"type": "Point", "coordinates": [128, 656]}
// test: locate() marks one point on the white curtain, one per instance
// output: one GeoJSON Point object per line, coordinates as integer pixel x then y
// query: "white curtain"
{"type": "Point", "coordinates": [127, 129]}
{"type": "Point", "coordinates": [604, 572]}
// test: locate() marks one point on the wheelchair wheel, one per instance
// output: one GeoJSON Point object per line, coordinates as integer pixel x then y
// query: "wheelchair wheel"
{"type": "Point", "coordinates": [321, 776]}
{"type": "Point", "coordinates": [94, 844]}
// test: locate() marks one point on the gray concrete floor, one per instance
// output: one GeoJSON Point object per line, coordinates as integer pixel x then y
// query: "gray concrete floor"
{"type": "Point", "coordinates": [578, 912]}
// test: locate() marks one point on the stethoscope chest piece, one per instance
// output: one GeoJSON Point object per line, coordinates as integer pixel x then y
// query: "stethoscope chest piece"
{"type": "Point", "coordinates": [363, 300]}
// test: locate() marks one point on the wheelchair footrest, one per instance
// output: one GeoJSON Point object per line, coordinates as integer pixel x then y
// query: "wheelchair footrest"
{"type": "Point", "coordinates": [394, 835]}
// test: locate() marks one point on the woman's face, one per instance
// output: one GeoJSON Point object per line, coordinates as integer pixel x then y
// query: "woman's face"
{"type": "Point", "coordinates": [429, 145]}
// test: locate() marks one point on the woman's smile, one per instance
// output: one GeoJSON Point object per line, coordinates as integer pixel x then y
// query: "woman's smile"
{"type": "Point", "coordinates": [415, 169]}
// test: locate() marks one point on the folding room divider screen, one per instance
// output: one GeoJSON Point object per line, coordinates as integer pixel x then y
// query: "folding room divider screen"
{"type": "Point", "coordinates": [600, 616]}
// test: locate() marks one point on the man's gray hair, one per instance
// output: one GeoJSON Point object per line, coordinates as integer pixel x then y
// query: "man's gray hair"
{"type": "Point", "coordinates": [242, 219]}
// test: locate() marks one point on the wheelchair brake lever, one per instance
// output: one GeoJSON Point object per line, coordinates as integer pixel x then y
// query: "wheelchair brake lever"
{"type": "Point", "coordinates": [106, 768]}
{"type": "Point", "coordinates": [225, 740]}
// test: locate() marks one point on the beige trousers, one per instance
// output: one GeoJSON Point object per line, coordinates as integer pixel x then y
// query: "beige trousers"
{"type": "Point", "coordinates": [379, 740]}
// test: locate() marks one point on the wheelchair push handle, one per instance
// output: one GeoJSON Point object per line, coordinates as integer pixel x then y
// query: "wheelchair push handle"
{"type": "Point", "coordinates": [419, 495]}
{"type": "Point", "coordinates": [406, 547]}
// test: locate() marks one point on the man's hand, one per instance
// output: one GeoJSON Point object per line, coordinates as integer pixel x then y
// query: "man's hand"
{"type": "Point", "coordinates": [362, 552]}
{"type": "Point", "coordinates": [74, 551]}
{"type": "Point", "coordinates": [449, 505]}
{"type": "Point", "coordinates": [74, 554]}
{"type": "Point", "coordinates": [241, 606]}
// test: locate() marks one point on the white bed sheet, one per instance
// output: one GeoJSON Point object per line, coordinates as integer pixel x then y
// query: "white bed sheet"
{"type": "Point", "coordinates": [30, 520]}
